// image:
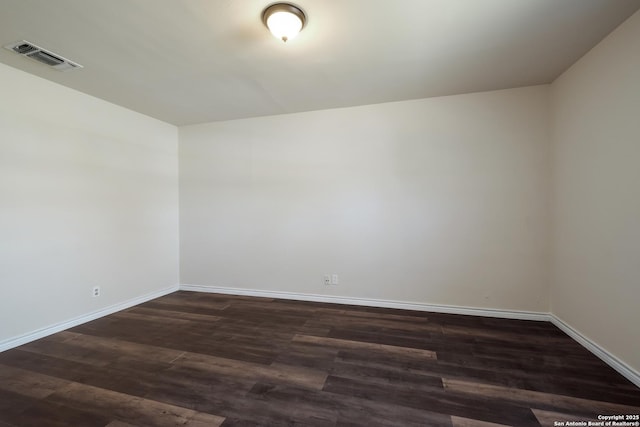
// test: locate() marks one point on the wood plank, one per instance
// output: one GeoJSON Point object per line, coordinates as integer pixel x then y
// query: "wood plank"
{"type": "Point", "coordinates": [129, 381]}
{"type": "Point", "coordinates": [348, 344]}
{"type": "Point", "coordinates": [150, 318]}
{"type": "Point", "coordinates": [28, 383]}
{"type": "Point", "coordinates": [368, 323]}
{"type": "Point", "coordinates": [386, 376]}
{"type": "Point", "coordinates": [204, 318]}
{"type": "Point", "coordinates": [417, 341]}
{"type": "Point", "coordinates": [277, 372]}
{"type": "Point", "coordinates": [44, 413]}
{"type": "Point", "coordinates": [509, 338]}
{"type": "Point", "coordinates": [123, 407]}
{"type": "Point", "coordinates": [349, 409]}
{"type": "Point", "coordinates": [117, 348]}
{"type": "Point", "coordinates": [538, 399]}
{"type": "Point", "coordinates": [405, 317]}
{"type": "Point", "coordinates": [13, 404]}
{"type": "Point", "coordinates": [309, 356]}
{"type": "Point", "coordinates": [436, 400]}
{"type": "Point", "coordinates": [211, 304]}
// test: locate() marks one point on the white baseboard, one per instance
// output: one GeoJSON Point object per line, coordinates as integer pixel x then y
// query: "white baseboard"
{"type": "Point", "coordinates": [435, 308]}
{"type": "Point", "coordinates": [611, 360]}
{"type": "Point", "coordinates": [623, 369]}
{"type": "Point", "coordinates": [49, 330]}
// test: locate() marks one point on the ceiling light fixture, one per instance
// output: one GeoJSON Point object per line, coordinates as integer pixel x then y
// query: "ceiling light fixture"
{"type": "Point", "coordinates": [284, 20]}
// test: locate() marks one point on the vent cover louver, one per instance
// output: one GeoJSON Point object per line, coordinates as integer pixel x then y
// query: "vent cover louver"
{"type": "Point", "coordinates": [44, 56]}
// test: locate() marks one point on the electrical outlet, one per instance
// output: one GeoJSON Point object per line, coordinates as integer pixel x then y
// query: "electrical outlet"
{"type": "Point", "coordinates": [96, 291]}
{"type": "Point", "coordinates": [327, 279]}
{"type": "Point", "coordinates": [334, 279]}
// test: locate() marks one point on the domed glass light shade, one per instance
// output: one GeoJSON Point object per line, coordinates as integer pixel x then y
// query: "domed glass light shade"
{"type": "Point", "coordinates": [284, 20]}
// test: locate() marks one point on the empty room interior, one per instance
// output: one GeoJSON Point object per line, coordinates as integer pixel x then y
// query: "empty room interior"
{"type": "Point", "coordinates": [320, 213]}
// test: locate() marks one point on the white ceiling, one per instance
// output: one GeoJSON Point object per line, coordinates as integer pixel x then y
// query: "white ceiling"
{"type": "Point", "coordinates": [194, 61]}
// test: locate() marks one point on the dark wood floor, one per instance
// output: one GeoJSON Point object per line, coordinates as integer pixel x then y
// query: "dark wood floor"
{"type": "Point", "coordinates": [209, 360]}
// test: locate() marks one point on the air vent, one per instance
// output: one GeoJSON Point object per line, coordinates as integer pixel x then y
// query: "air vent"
{"type": "Point", "coordinates": [44, 56]}
{"type": "Point", "coordinates": [24, 48]}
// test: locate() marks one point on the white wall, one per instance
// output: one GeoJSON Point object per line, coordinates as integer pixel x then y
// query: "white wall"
{"type": "Point", "coordinates": [441, 200]}
{"type": "Point", "coordinates": [88, 197]}
{"type": "Point", "coordinates": [596, 284]}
